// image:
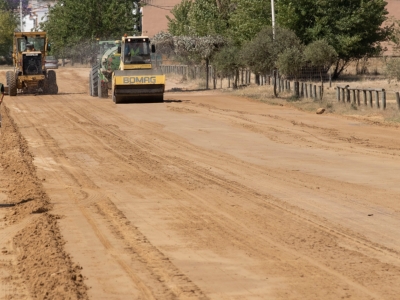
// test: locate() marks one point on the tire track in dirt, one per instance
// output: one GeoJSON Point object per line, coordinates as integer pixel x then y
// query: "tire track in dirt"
{"type": "Point", "coordinates": [324, 138]}
{"type": "Point", "coordinates": [224, 226]}
{"type": "Point", "coordinates": [240, 190]}
{"type": "Point", "coordinates": [165, 275]}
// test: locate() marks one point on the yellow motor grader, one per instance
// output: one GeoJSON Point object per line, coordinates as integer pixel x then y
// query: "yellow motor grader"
{"type": "Point", "coordinates": [29, 74]}
{"type": "Point", "coordinates": [137, 79]}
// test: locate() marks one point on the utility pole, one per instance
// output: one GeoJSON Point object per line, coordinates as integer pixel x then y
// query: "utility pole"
{"type": "Point", "coordinates": [273, 19]}
{"type": "Point", "coordinates": [20, 13]}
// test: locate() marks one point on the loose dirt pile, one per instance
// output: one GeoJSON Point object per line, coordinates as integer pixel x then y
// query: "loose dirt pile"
{"type": "Point", "coordinates": [45, 268]}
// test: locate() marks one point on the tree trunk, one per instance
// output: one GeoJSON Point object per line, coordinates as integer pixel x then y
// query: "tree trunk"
{"type": "Point", "coordinates": [275, 83]}
{"type": "Point", "coordinates": [207, 74]}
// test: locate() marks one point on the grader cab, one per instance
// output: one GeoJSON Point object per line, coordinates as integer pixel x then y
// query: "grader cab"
{"type": "Point", "coordinates": [29, 74]}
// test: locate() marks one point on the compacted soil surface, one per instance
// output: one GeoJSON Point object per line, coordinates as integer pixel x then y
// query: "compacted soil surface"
{"type": "Point", "coordinates": [204, 196]}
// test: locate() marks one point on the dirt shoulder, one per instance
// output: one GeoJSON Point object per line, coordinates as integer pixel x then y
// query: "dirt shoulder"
{"type": "Point", "coordinates": [38, 256]}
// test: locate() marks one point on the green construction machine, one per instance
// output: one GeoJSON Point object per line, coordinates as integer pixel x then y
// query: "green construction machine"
{"type": "Point", "coordinates": [100, 74]}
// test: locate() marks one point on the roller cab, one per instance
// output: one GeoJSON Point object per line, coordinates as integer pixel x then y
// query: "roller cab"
{"type": "Point", "coordinates": [137, 79]}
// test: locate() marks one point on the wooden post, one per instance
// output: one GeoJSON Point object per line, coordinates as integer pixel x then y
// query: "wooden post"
{"type": "Point", "coordinates": [343, 94]}
{"type": "Point", "coordinates": [365, 97]}
{"type": "Point", "coordinates": [377, 98]}
{"type": "Point", "coordinates": [383, 99]}
{"type": "Point", "coordinates": [358, 97]}
{"type": "Point", "coordinates": [370, 98]}
{"type": "Point", "coordinates": [398, 99]}
{"type": "Point", "coordinates": [354, 96]}
{"type": "Point", "coordinates": [320, 92]}
{"type": "Point", "coordinates": [315, 91]}
{"type": "Point", "coordinates": [301, 89]}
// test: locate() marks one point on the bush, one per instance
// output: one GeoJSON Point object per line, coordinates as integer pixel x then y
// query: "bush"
{"type": "Point", "coordinates": [393, 69]}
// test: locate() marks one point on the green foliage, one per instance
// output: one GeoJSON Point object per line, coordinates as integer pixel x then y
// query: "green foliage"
{"type": "Point", "coordinates": [320, 54]}
{"type": "Point", "coordinates": [353, 28]}
{"type": "Point", "coordinates": [74, 24]}
{"type": "Point", "coordinates": [198, 18]}
{"type": "Point", "coordinates": [8, 23]}
{"type": "Point", "coordinates": [261, 53]}
{"type": "Point", "coordinates": [393, 69]}
{"type": "Point", "coordinates": [180, 25]}
{"type": "Point", "coordinates": [227, 61]}
{"type": "Point", "coordinates": [290, 61]}
{"type": "Point", "coordinates": [247, 19]}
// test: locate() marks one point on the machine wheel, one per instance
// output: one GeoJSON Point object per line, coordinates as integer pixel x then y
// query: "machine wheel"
{"type": "Point", "coordinates": [116, 100]}
{"type": "Point", "coordinates": [12, 83]}
{"type": "Point", "coordinates": [94, 80]}
{"type": "Point", "coordinates": [52, 88]}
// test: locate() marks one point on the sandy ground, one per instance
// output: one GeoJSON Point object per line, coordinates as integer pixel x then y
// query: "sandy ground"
{"type": "Point", "coordinates": [204, 196]}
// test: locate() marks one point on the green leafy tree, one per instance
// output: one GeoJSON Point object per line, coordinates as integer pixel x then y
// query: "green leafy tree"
{"type": "Point", "coordinates": [321, 56]}
{"type": "Point", "coordinates": [291, 61]}
{"type": "Point", "coordinates": [198, 18]}
{"type": "Point", "coordinates": [261, 53]}
{"type": "Point", "coordinates": [247, 18]}
{"type": "Point", "coordinates": [74, 24]}
{"type": "Point", "coordinates": [353, 28]}
{"type": "Point", "coordinates": [180, 24]}
{"type": "Point", "coordinates": [228, 62]}
{"type": "Point", "coordinates": [8, 23]}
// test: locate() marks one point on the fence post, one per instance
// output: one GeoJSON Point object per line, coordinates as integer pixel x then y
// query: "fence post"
{"type": "Point", "coordinates": [338, 94]}
{"type": "Point", "coordinates": [377, 99]}
{"type": "Point", "coordinates": [301, 89]}
{"type": "Point", "coordinates": [383, 99]}
{"type": "Point", "coordinates": [320, 92]}
{"type": "Point", "coordinates": [354, 96]}
{"type": "Point", "coordinates": [306, 89]}
{"type": "Point", "coordinates": [344, 95]}
{"type": "Point", "coordinates": [365, 97]}
{"type": "Point", "coordinates": [347, 95]}
{"type": "Point", "coordinates": [370, 98]}
{"type": "Point", "coordinates": [398, 99]}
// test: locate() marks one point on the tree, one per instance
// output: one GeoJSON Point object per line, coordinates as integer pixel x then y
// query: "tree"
{"type": "Point", "coordinates": [8, 23]}
{"type": "Point", "coordinates": [74, 24]}
{"type": "Point", "coordinates": [228, 62]}
{"type": "Point", "coordinates": [198, 18]}
{"type": "Point", "coordinates": [247, 18]}
{"type": "Point", "coordinates": [290, 62]}
{"type": "Point", "coordinates": [180, 24]}
{"type": "Point", "coordinates": [261, 53]}
{"type": "Point", "coordinates": [190, 48]}
{"type": "Point", "coordinates": [353, 28]}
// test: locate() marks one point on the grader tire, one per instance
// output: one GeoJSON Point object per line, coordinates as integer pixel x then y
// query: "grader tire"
{"type": "Point", "coordinates": [52, 82]}
{"type": "Point", "coordinates": [12, 83]}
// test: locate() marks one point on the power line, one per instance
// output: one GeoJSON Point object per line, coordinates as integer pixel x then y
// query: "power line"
{"type": "Point", "coordinates": [160, 7]}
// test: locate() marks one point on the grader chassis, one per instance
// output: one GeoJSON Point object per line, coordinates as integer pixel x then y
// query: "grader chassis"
{"type": "Point", "coordinates": [29, 74]}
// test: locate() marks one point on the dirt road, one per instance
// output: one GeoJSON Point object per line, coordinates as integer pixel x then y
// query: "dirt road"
{"type": "Point", "coordinates": [204, 196]}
